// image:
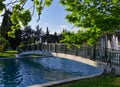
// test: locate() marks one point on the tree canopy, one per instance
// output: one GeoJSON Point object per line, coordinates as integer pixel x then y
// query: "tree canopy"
{"type": "Point", "coordinates": [96, 17]}
{"type": "Point", "coordinates": [20, 15]}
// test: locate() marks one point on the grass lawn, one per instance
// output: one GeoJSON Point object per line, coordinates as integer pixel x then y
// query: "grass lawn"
{"type": "Point", "coordinates": [32, 55]}
{"type": "Point", "coordinates": [101, 81]}
{"type": "Point", "coordinates": [8, 54]}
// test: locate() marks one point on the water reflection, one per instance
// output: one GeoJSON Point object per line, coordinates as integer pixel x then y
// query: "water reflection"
{"type": "Point", "coordinates": [10, 75]}
{"type": "Point", "coordinates": [51, 69]}
{"type": "Point", "coordinates": [35, 72]}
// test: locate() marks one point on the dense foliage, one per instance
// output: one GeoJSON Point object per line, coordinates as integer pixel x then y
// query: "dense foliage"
{"type": "Point", "coordinates": [21, 16]}
{"type": "Point", "coordinates": [6, 27]}
{"type": "Point", "coordinates": [96, 17]}
{"type": "Point", "coordinates": [30, 36]}
{"type": "Point", "coordinates": [3, 44]}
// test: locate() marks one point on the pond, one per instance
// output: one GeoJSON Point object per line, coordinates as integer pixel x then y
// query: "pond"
{"type": "Point", "coordinates": [29, 71]}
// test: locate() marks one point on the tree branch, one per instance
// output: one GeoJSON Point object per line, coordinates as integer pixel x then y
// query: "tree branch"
{"type": "Point", "coordinates": [7, 4]}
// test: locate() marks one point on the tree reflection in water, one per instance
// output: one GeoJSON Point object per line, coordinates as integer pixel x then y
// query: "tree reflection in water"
{"type": "Point", "coordinates": [10, 73]}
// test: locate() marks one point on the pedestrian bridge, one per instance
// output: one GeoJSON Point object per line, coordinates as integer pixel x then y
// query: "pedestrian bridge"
{"type": "Point", "coordinates": [110, 56]}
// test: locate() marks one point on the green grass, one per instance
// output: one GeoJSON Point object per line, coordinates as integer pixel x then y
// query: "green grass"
{"type": "Point", "coordinates": [8, 54]}
{"type": "Point", "coordinates": [32, 55]}
{"type": "Point", "coordinates": [101, 81]}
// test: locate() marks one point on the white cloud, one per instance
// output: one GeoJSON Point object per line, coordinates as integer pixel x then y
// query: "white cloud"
{"type": "Point", "coordinates": [64, 27]}
{"type": "Point", "coordinates": [75, 29]}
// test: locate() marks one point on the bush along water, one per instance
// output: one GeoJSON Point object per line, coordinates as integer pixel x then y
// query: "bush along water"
{"type": "Point", "coordinates": [3, 44]}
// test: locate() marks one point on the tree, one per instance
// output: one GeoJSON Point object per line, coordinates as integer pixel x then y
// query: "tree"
{"type": "Point", "coordinates": [98, 17]}
{"type": "Point", "coordinates": [55, 37]}
{"type": "Point", "coordinates": [3, 44]}
{"type": "Point", "coordinates": [28, 35]}
{"type": "Point", "coordinates": [6, 27]}
{"type": "Point", "coordinates": [47, 35]}
{"type": "Point", "coordinates": [6, 24]}
{"type": "Point", "coordinates": [15, 42]}
{"type": "Point", "coordinates": [38, 33]}
{"type": "Point", "coordinates": [21, 16]}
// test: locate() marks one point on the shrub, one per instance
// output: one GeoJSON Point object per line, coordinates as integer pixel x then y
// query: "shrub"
{"type": "Point", "coordinates": [3, 44]}
{"type": "Point", "coordinates": [21, 45]}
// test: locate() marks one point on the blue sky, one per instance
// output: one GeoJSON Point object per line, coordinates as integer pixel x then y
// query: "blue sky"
{"type": "Point", "coordinates": [52, 17]}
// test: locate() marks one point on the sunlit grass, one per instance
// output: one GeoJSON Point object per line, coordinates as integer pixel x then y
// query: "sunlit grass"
{"type": "Point", "coordinates": [101, 81]}
{"type": "Point", "coordinates": [32, 55]}
{"type": "Point", "coordinates": [8, 54]}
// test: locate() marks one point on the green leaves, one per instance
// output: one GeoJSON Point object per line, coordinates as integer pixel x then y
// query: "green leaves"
{"type": "Point", "coordinates": [96, 16]}
{"type": "Point", "coordinates": [89, 36]}
{"type": "Point", "coordinates": [73, 38]}
{"type": "Point", "coordinates": [24, 17]}
{"type": "Point", "coordinates": [36, 2]}
{"type": "Point", "coordinates": [21, 16]}
{"type": "Point", "coordinates": [48, 2]}
{"type": "Point", "coordinates": [3, 44]}
{"type": "Point", "coordinates": [39, 7]}
{"type": "Point", "coordinates": [11, 33]}
{"type": "Point", "coordinates": [39, 4]}
{"type": "Point", "coordinates": [2, 6]}
{"type": "Point", "coordinates": [115, 1]}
